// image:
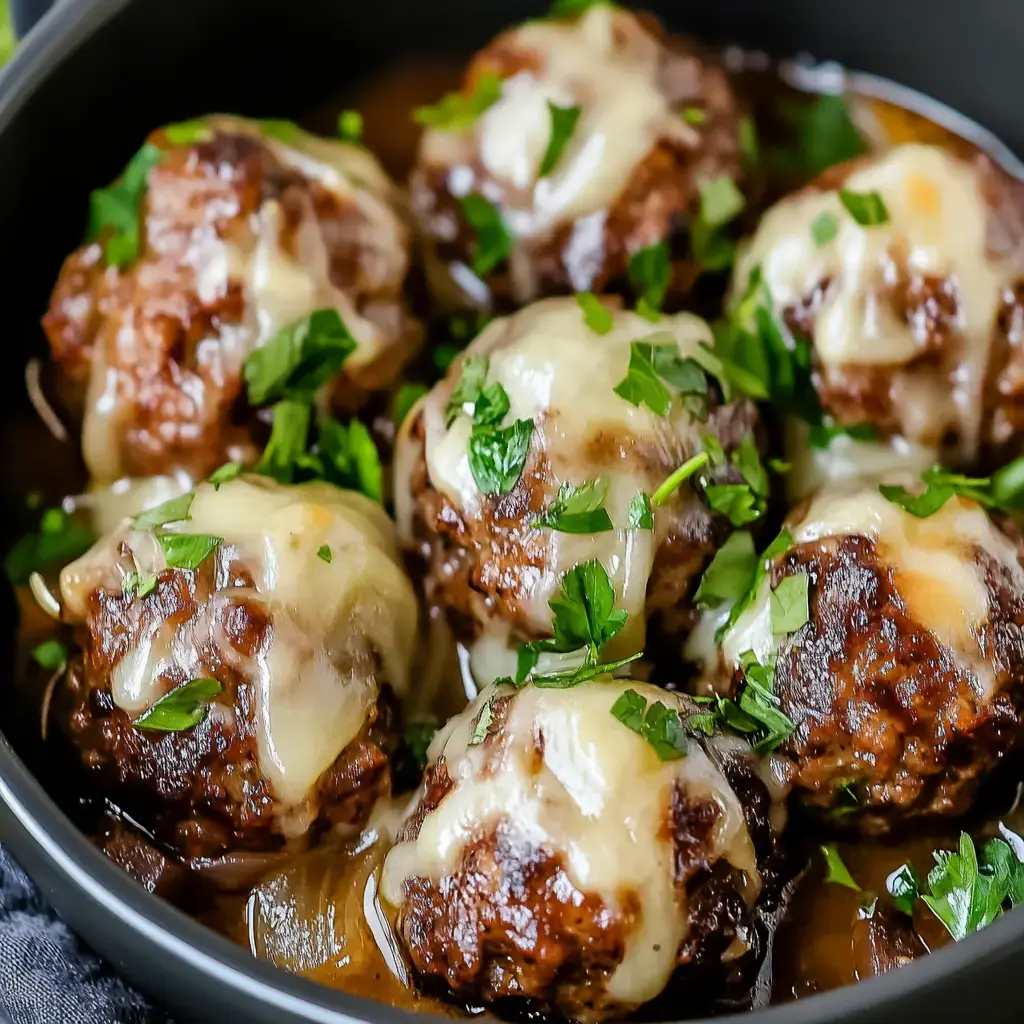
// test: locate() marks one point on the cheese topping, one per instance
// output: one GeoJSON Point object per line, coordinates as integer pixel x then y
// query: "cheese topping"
{"type": "Point", "coordinates": [606, 63]}
{"type": "Point", "coordinates": [572, 781]}
{"type": "Point", "coordinates": [937, 226]}
{"type": "Point", "coordinates": [934, 561]}
{"type": "Point", "coordinates": [561, 375]}
{"type": "Point", "coordinates": [280, 285]}
{"type": "Point", "coordinates": [331, 624]}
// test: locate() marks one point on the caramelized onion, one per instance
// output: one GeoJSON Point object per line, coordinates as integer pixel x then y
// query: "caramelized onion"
{"type": "Point", "coordinates": [42, 407]}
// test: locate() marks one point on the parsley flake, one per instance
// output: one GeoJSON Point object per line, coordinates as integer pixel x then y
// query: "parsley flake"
{"type": "Point", "coordinates": [694, 116]}
{"type": "Point", "coordinates": [657, 724]}
{"type": "Point", "coordinates": [299, 358]}
{"type": "Point", "coordinates": [225, 474]}
{"type": "Point", "coordinates": [596, 315]}
{"type": "Point", "coordinates": [58, 541]}
{"type": "Point", "coordinates": [51, 655]}
{"type": "Point", "coordinates": [174, 511]}
{"type": "Point", "coordinates": [720, 203]}
{"type": "Point", "coordinates": [563, 124]}
{"type": "Point", "coordinates": [324, 553]}
{"type": "Point", "coordinates": [836, 872]}
{"type": "Point", "coordinates": [867, 208]}
{"type": "Point", "coordinates": [405, 398]}
{"type": "Point", "coordinates": [188, 133]}
{"type": "Point", "coordinates": [497, 455]}
{"type": "Point", "coordinates": [824, 228]}
{"type": "Point", "coordinates": [458, 111]}
{"type": "Point", "coordinates": [941, 485]}
{"type": "Point", "coordinates": [138, 585]}
{"type": "Point", "coordinates": [578, 509]}
{"type": "Point", "coordinates": [182, 708]}
{"type": "Point", "coordinates": [683, 473]}
{"type": "Point", "coordinates": [650, 274]}
{"type": "Point", "coordinates": [789, 608]}
{"type": "Point", "coordinates": [641, 515]}
{"type": "Point", "coordinates": [493, 241]}
{"type": "Point", "coordinates": [187, 550]}
{"type": "Point", "coordinates": [484, 723]}
{"type": "Point", "coordinates": [350, 126]}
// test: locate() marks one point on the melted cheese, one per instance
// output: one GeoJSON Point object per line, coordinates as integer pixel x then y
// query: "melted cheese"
{"type": "Point", "coordinates": [938, 223]}
{"type": "Point", "coordinates": [933, 559]}
{"type": "Point", "coordinates": [331, 623]}
{"type": "Point", "coordinates": [562, 375]}
{"type": "Point", "coordinates": [280, 285]}
{"type": "Point", "coordinates": [599, 799]}
{"type": "Point", "coordinates": [606, 63]}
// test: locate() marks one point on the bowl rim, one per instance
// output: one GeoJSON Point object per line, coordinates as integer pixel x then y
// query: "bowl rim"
{"type": "Point", "coordinates": [64, 30]}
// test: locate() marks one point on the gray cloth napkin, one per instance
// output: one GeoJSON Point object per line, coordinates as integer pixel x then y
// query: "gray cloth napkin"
{"type": "Point", "coordinates": [48, 976]}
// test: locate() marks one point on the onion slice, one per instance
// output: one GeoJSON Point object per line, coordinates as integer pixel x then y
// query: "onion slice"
{"type": "Point", "coordinates": [44, 596]}
{"type": "Point", "coordinates": [42, 407]}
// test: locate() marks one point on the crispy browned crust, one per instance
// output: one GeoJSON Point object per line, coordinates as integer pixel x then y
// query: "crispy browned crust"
{"type": "Point", "coordinates": [201, 791]}
{"type": "Point", "coordinates": [930, 308]}
{"type": "Point", "coordinates": [880, 704]}
{"type": "Point", "coordinates": [179, 397]}
{"type": "Point", "coordinates": [483, 567]}
{"type": "Point", "coordinates": [655, 205]}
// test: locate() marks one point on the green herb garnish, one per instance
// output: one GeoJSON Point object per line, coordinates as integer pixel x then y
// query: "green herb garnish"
{"type": "Point", "coordinates": [789, 605]}
{"type": "Point", "coordinates": [289, 434]}
{"type": "Point", "coordinates": [563, 124]}
{"type": "Point", "coordinates": [867, 208]}
{"type": "Point", "coordinates": [182, 708]}
{"type": "Point", "coordinates": [187, 550]}
{"type": "Point", "coordinates": [188, 133]}
{"type": "Point", "coordinates": [578, 509]}
{"type": "Point", "coordinates": [824, 228]}
{"type": "Point", "coordinates": [405, 398]}
{"type": "Point", "coordinates": [656, 723]}
{"type": "Point", "coordinates": [174, 511]}
{"type": "Point", "coordinates": [225, 474]}
{"type": "Point", "coordinates": [683, 473]}
{"type": "Point", "coordinates": [720, 203]}
{"type": "Point", "coordinates": [324, 553]}
{"type": "Point", "coordinates": [348, 457]}
{"type": "Point", "coordinates": [350, 126]}
{"type": "Point", "coordinates": [836, 872]}
{"type": "Point", "coordinates": [51, 655]}
{"type": "Point", "coordinates": [694, 116]}
{"type": "Point", "coordinates": [458, 111]}
{"type": "Point", "coordinates": [1003, 490]}
{"type": "Point", "coordinates": [596, 315]}
{"type": "Point", "coordinates": [497, 455]}
{"type": "Point", "coordinates": [484, 723]}
{"type": "Point", "coordinates": [115, 213]}
{"type": "Point", "coordinates": [650, 274]}
{"type": "Point", "coordinates": [641, 515]}
{"type": "Point", "coordinates": [494, 240]}
{"type": "Point", "coordinates": [299, 358]}
{"type": "Point", "coordinates": [138, 585]}
{"type": "Point", "coordinates": [57, 542]}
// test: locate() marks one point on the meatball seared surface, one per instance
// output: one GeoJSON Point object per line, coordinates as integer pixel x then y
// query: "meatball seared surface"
{"type": "Point", "coordinates": [550, 856]}
{"type": "Point", "coordinates": [906, 685]}
{"type": "Point", "coordinates": [243, 230]}
{"type": "Point", "coordinates": [303, 650]}
{"type": "Point", "coordinates": [626, 179]}
{"type": "Point", "coordinates": [489, 561]}
{"type": "Point", "coordinates": [911, 304]}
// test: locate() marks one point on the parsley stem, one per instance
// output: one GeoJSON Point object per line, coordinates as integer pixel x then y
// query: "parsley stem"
{"type": "Point", "coordinates": [684, 472]}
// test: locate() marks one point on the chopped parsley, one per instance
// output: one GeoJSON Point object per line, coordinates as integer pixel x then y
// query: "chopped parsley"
{"type": "Point", "coordinates": [641, 515]}
{"type": "Point", "coordinates": [965, 891]}
{"type": "Point", "coordinates": [188, 133]}
{"type": "Point", "coordinates": [572, 8]}
{"type": "Point", "coordinates": [497, 455]}
{"type": "Point", "coordinates": [405, 398]}
{"type": "Point", "coordinates": [720, 203]}
{"type": "Point", "coordinates": [115, 213]}
{"type": "Point", "coordinates": [756, 708]}
{"type": "Point", "coordinates": [299, 358]}
{"type": "Point", "coordinates": [1004, 490]}
{"type": "Point", "coordinates": [866, 208]}
{"type": "Point", "coordinates": [281, 129]}
{"type": "Point", "coordinates": [174, 511]}
{"type": "Point", "coordinates": [347, 457]}
{"type": "Point", "coordinates": [51, 655]}
{"type": "Point", "coordinates": [650, 274]}
{"type": "Point", "coordinates": [748, 142]}
{"type": "Point", "coordinates": [289, 435]}
{"type": "Point", "coordinates": [650, 366]}
{"type": "Point", "coordinates": [597, 316]}
{"type": "Point", "coordinates": [484, 722]}
{"type": "Point", "coordinates": [824, 228]}
{"type": "Point", "coordinates": [741, 503]}
{"type": "Point", "coordinates": [578, 509]}
{"type": "Point", "coordinates": [58, 541]}
{"type": "Point", "coordinates": [458, 111]}
{"type": "Point", "coordinates": [493, 239]}
{"type": "Point", "coordinates": [789, 609]}
{"type": "Point", "coordinates": [187, 550]}
{"type": "Point", "coordinates": [468, 389]}
{"type": "Point", "coordinates": [694, 116]}
{"type": "Point", "coordinates": [350, 126]}
{"type": "Point", "coordinates": [836, 872]}
{"type": "Point", "coordinates": [324, 553]}
{"type": "Point", "coordinates": [682, 474]}
{"type": "Point", "coordinates": [182, 708]}
{"type": "Point", "coordinates": [825, 134]}
{"type": "Point", "coordinates": [824, 433]}
{"type": "Point", "coordinates": [656, 723]}
{"type": "Point", "coordinates": [419, 734]}
{"type": "Point", "coordinates": [225, 474]}
{"type": "Point", "coordinates": [138, 585]}
{"type": "Point", "coordinates": [563, 124]}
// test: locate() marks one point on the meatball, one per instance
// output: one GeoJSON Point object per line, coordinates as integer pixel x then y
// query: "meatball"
{"type": "Point", "coordinates": [905, 684]}
{"type": "Point", "coordinates": [243, 229]}
{"type": "Point", "coordinates": [495, 555]}
{"type": "Point", "coordinates": [905, 270]}
{"type": "Point", "coordinates": [654, 121]}
{"type": "Point", "coordinates": [552, 856]}
{"type": "Point", "coordinates": [303, 616]}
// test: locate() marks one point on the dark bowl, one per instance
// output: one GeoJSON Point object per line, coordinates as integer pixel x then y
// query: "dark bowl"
{"type": "Point", "coordinates": [87, 85]}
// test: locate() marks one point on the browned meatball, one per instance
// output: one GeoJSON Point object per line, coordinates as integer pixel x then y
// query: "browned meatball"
{"type": "Point", "coordinates": [655, 120]}
{"type": "Point", "coordinates": [906, 684]}
{"type": "Point", "coordinates": [552, 856]}
{"type": "Point", "coordinates": [909, 294]}
{"type": "Point", "coordinates": [297, 738]}
{"type": "Point", "coordinates": [492, 559]}
{"type": "Point", "coordinates": [242, 230]}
